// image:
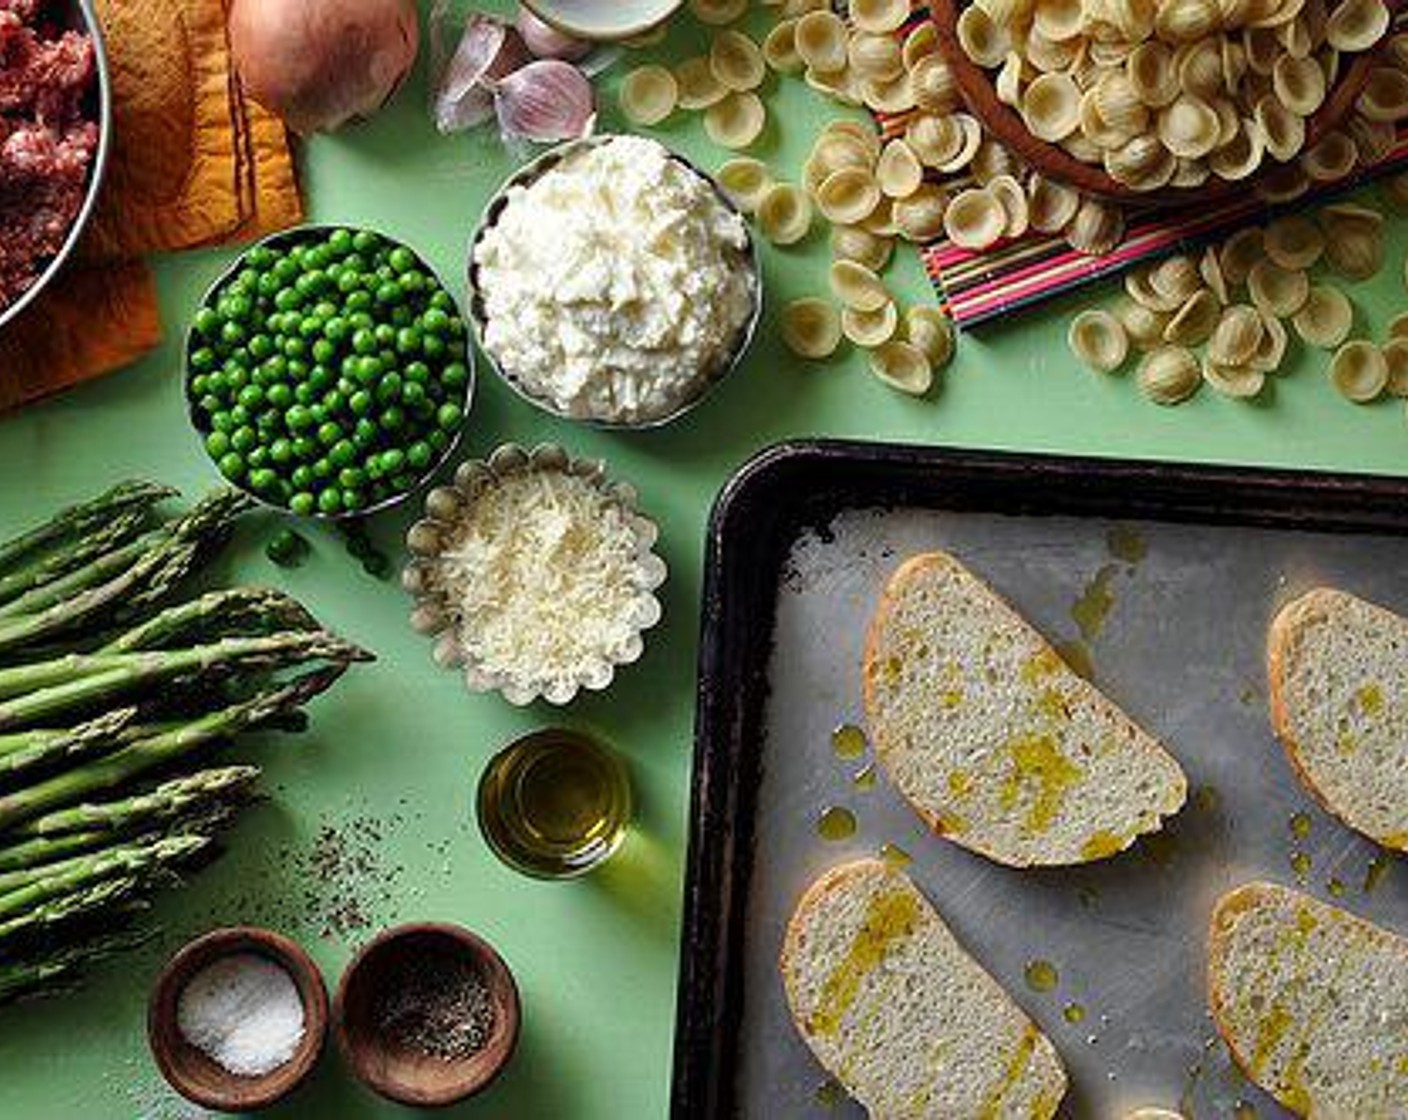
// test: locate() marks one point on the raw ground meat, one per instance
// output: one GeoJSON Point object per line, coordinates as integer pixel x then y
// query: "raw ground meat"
{"type": "Point", "coordinates": [47, 139]}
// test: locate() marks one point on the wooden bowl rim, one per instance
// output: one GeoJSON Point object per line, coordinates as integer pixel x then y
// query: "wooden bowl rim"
{"type": "Point", "coordinates": [482, 1067]}
{"type": "Point", "coordinates": [1004, 123]}
{"type": "Point", "coordinates": [245, 1093]}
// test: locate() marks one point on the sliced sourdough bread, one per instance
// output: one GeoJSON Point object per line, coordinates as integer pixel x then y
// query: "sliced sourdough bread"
{"type": "Point", "coordinates": [1312, 1001]}
{"type": "Point", "coordinates": [992, 738]}
{"type": "Point", "coordinates": [1337, 668]}
{"type": "Point", "coordinates": [895, 1009]}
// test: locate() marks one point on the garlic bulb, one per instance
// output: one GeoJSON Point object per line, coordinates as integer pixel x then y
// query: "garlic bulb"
{"type": "Point", "coordinates": [487, 51]}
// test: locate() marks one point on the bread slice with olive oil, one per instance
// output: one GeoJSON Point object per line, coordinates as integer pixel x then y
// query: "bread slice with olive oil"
{"type": "Point", "coordinates": [1312, 1001]}
{"type": "Point", "coordinates": [1337, 668]}
{"type": "Point", "coordinates": [992, 738]}
{"type": "Point", "coordinates": [897, 1011]}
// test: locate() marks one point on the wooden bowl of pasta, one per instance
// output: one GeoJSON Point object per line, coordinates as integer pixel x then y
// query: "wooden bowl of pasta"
{"type": "Point", "coordinates": [1183, 112]}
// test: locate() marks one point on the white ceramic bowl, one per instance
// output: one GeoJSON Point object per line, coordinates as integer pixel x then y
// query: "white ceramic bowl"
{"type": "Point", "coordinates": [604, 20]}
{"type": "Point", "coordinates": [434, 617]}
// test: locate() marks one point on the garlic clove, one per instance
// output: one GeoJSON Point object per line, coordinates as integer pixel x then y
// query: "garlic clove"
{"type": "Point", "coordinates": [546, 41]}
{"type": "Point", "coordinates": [487, 51]}
{"type": "Point", "coordinates": [546, 101]}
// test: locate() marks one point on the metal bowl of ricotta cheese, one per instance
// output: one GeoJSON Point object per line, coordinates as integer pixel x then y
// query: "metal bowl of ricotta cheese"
{"type": "Point", "coordinates": [617, 291]}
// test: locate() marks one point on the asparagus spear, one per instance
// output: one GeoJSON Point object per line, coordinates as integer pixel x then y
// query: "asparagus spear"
{"type": "Point", "coordinates": [98, 570]}
{"type": "Point", "coordinates": [97, 898]}
{"type": "Point", "coordinates": [219, 613]}
{"type": "Point", "coordinates": [30, 749]}
{"type": "Point", "coordinates": [76, 519]}
{"type": "Point", "coordinates": [47, 850]}
{"type": "Point", "coordinates": [168, 801]}
{"type": "Point", "coordinates": [45, 568]}
{"type": "Point", "coordinates": [54, 969]}
{"type": "Point", "coordinates": [104, 677]}
{"type": "Point", "coordinates": [145, 580]}
{"type": "Point", "coordinates": [140, 861]}
{"type": "Point", "coordinates": [105, 773]}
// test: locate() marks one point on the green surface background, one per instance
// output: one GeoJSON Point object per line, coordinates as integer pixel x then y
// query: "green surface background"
{"type": "Point", "coordinates": [402, 742]}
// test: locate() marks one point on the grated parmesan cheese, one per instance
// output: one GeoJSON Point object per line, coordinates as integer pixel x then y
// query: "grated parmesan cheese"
{"type": "Point", "coordinates": [545, 581]}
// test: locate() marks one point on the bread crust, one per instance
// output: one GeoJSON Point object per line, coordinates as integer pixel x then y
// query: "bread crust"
{"type": "Point", "coordinates": [1282, 639]}
{"type": "Point", "coordinates": [879, 622]}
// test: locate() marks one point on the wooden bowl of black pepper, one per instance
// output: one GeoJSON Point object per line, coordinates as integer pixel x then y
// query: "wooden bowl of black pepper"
{"type": "Point", "coordinates": [427, 1014]}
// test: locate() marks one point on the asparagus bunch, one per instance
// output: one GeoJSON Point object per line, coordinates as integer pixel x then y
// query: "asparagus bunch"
{"type": "Point", "coordinates": [114, 692]}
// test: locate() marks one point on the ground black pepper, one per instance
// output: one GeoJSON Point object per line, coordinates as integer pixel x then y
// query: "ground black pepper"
{"type": "Point", "coordinates": [435, 1003]}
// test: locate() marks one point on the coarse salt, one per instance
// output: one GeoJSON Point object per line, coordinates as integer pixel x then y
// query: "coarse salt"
{"type": "Point", "coordinates": [244, 1012]}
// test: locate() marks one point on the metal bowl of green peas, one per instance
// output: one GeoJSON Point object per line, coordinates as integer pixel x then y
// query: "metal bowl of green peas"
{"type": "Point", "coordinates": [329, 372]}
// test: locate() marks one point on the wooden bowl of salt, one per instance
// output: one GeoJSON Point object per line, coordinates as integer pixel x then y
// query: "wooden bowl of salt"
{"type": "Point", "coordinates": [238, 1019]}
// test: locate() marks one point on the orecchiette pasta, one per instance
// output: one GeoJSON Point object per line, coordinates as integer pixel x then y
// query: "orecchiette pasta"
{"type": "Point", "coordinates": [696, 86]}
{"type": "Point", "coordinates": [1277, 291]}
{"type": "Point", "coordinates": [1195, 320]}
{"type": "Point", "coordinates": [780, 48]}
{"type": "Point", "coordinates": [1050, 205]}
{"type": "Point", "coordinates": [1294, 242]}
{"type": "Point", "coordinates": [1169, 375]}
{"type": "Point", "coordinates": [1395, 352]}
{"type": "Point", "coordinates": [870, 329]}
{"type": "Point", "coordinates": [858, 287]}
{"type": "Point", "coordinates": [1237, 334]}
{"type": "Point", "coordinates": [737, 121]}
{"type": "Point", "coordinates": [1099, 340]}
{"type": "Point", "coordinates": [1354, 243]}
{"type": "Point", "coordinates": [852, 243]}
{"type": "Point", "coordinates": [929, 329]}
{"type": "Point", "coordinates": [1325, 318]}
{"type": "Point", "coordinates": [820, 40]}
{"type": "Point", "coordinates": [784, 214]}
{"type": "Point", "coordinates": [1359, 371]}
{"type": "Point", "coordinates": [902, 366]}
{"type": "Point", "coordinates": [811, 328]}
{"type": "Point", "coordinates": [736, 61]}
{"type": "Point", "coordinates": [745, 181]}
{"type": "Point", "coordinates": [648, 95]}
{"type": "Point", "coordinates": [898, 172]}
{"type": "Point", "coordinates": [1241, 382]}
{"type": "Point", "coordinates": [848, 196]}
{"type": "Point", "coordinates": [975, 219]}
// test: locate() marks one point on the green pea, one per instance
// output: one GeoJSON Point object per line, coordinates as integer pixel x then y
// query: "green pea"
{"type": "Point", "coordinates": [294, 347]}
{"type": "Point", "coordinates": [403, 482]}
{"type": "Point", "coordinates": [339, 242]}
{"type": "Point", "coordinates": [415, 281]}
{"type": "Point", "coordinates": [365, 241]}
{"type": "Point", "coordinates": [202, 360]}
{"type": "Point", "coordinates": [306, 448]}
{"type": "Point", "coordinates": [360, 402]}
{"type": "Point", "coordinates": [261, 347]}
{"type": "Point", "coordinates": [407, 340]}
{"type": "Point", "coordinates": [321, 378]}
{"type": "Point", "coordinates": [304, 393]}
{"type": "Point", "coordinates": [369, 369]}
{"type": "Point", "coordinates": [385, 334]}
{"type": "Point", "coordinates": [240, 414]}
{"type": "Point", "coordinates": [322, 469]}
{"type": "Point", "coordinates": [335, 328]}
{"type": "Point", "coordinates": [217, 444]}
{"type": "Point", "coordinates": [231, 332]}
{"type": "Point", "coordinates": [353, 499]}
{"type": "Point", "coordinates": [236, 307]}
{"type": "Point", "coordinates": [298, 418]}
{"type": "Point", "coordinates": [361, 321]}
{"type": "Point", "coordinates": [281, 451]}
{"type": "Point", "coordinates": [251, 396]}
{"type": "Point", "coordinates": [435, 320]}
{"type": "Point", "coordinates": [207, 322]}
{"type": "Point", "coordinates": [269, 421]}
{"type": "Point", "coordinates": [288, 299]}
{"type": "Point", "coordinates": [243, 438]}
{"type": "Point", "coordinates": [330, 500]}
{"type": "Point", "coordinates": [393, 418]}
{"type": "Point", "coordinates": [449, 416]}
{"type": "Point", "coordinates": [221, 421]}
{"type": "Point", "coordinates": [441, 300]}
{"type": "Point", "coordinates": [364, 433]}
{"type": "Point", "coordinates": [456, 327]}
{"type": "Point", "coordinates": [364, 341]}
{"type": "Point", "coordinates": [269, 285]}
{"type": "Point", "coordinates": [286, 269]}
{"type": "Point", "coordinates": [335, 402]}
{"type": "Point", "coordinates": [231, 465]}
{"type": "Point", "coordinates": [286, 548]}
{"type": "Point", "coordinates": [309, 328]}
{"type": "Point", "coordinates": [262, 480]}
{"type": "Point", "coordinates": [280, 395]}
{"type": "Point", "coordinates": [401, 316]}
{"type": "Point", "coordinates": [329, 433]}
{"type": "Point", "coordinates": [388, 389]}
{"type": "Point", "coordinates": [454, 376]}
{"type": "Point", "coordinates": [342, 453]}
{"type": "Point", "coordinates": [414, 397]}
{"type": "Point", "coordinates": [389, 293]}
{"type": "Point", "coordinates": [401, 259]}
{"type": "Point", "coordinates": [392, 460]}
{"type": "Point", "coordinates": [302, 476]}
{"type": "Point", "coordinates": [199, 387]}
{"type": "Point", "coordinates": [323, 351]}
{"type": "Point", "coordinates": [298, 369]}
{"type": "Point", "coordinates": [433, 346]}
{"type": "Point", "coordinates": [351, 478]}
{"type": "Point", "coordinates": [261, 256]}
{"type": "Point", "coordinates": [302, 503]}
{"type": "Point", "coordinates": [419, 455]}
{"type": "Point", "coordinates": [438, 441]}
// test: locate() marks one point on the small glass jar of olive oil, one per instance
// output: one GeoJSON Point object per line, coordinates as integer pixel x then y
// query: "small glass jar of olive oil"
{"type": "Point", "coordinates": [554, 804]}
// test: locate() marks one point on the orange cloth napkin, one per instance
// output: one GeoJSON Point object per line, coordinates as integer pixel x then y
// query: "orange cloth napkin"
{"type": "Point", "coordinates": [194, 162]}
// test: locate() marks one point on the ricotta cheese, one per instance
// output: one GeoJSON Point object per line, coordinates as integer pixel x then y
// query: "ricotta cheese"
{"type": "Point", "coordinates": [617, 284]}
{"type": "Point", "coordinates": [547, 582]}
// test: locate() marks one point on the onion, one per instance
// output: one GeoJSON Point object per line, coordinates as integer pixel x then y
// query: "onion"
{"type": "Point", "coordinates": [546, 41]}
{"type": "Point", "coordinates": [545, 101]}
{"type": "Point", "coordinates": [321, 63]}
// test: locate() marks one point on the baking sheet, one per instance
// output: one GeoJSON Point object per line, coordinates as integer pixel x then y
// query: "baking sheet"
{"type": "Point", "coordinates": [1181, 649]}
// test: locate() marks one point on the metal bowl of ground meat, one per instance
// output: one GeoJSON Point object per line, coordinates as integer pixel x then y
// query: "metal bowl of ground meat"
{"type": "Point", "coordinates": [55, 133]}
